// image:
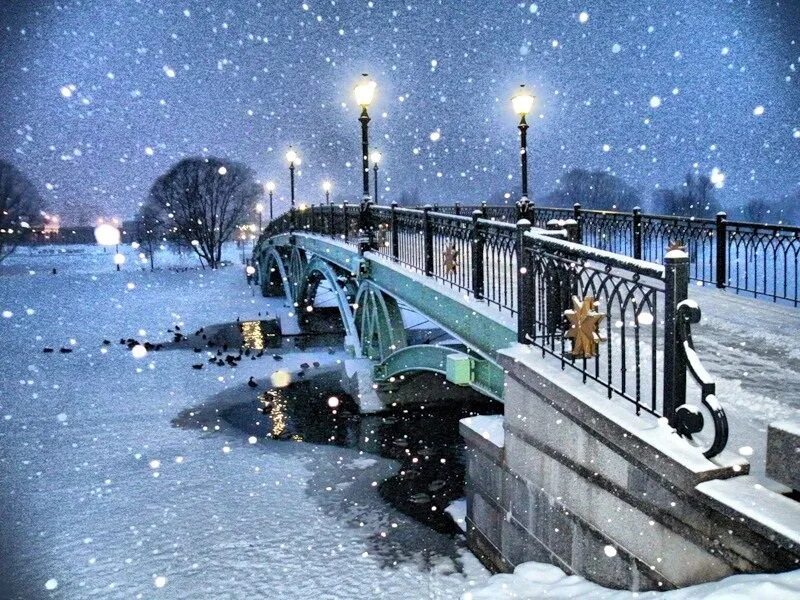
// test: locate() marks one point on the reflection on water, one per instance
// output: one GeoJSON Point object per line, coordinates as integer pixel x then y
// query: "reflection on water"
{"type": "Point", "coordinates": [273, 403]}
{"type": "Point", "coordinates": [424, 442]}
{"type": "Point", "coordinates": [253, 334]}
{"type": "Point", "coordinates": [424, 439]}
{"type": "Point", "coordinates": [251, 337]}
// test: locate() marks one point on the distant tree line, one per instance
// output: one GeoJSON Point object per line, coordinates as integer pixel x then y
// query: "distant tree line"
{"type": "Point", "coordinates": [20, 208]}
{"type": "Point", "coordinates": [600, 190]}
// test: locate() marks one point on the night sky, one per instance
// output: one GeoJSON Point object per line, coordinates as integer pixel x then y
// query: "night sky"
{"type": "Point", "coordinates": [100, 97]}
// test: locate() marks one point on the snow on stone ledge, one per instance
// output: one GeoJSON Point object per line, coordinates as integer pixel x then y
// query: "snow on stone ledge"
{"type": "Point", "coordinates": [489, 427]}
{"type": "Point", "coordinates": [532, 581]}
{"type": "Point", "coordinates": [656, 433]}
{"type": "Point", "coordinates": [746, 496]}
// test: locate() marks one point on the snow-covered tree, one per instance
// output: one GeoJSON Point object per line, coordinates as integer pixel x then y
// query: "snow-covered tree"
{"type": "Point", "coordinates": [695, 198]}
{"type": "Point", "coordinates": [20, 207]}
{"type": "Point", "coordinates": [203, 200]}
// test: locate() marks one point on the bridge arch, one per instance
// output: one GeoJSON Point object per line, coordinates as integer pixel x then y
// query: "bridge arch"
{"type": "Point", "coordinates": [341, 283]}
{"type": "Point", "coordinates": [297, 271]}
{"type": "Point", "coordinates": [273, 275]}
{"type": "Point", "coordinates": [379, 322]}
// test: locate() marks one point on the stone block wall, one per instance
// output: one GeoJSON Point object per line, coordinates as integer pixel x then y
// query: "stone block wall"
{"type": "Point", "coordinates": [572, 487]}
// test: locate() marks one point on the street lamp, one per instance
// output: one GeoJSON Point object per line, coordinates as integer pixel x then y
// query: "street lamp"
{"type": "Point", "coordinates": [270, 189]}
{"type": "Point", "coordinates": [376, 158]}
{"type": "Point", "coordinates": [108, 235]}
{"type": "Point", "coordinates": [293, 159]}
{"type": "Point", "coordinates": [326, 185]}
{"type": "Point", "coordinates": [522, 103]}
{"type": "Point", "coordinates": [259, 210]}
{"type": "Point", "coordinates": [364, 93]}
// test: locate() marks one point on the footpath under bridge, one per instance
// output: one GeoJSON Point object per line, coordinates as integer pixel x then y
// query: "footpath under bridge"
{"type": "Point", "coordinates": [492, 285]}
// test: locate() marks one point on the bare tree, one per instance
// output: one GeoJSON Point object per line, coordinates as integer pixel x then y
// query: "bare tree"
{"type": "Point", "coordinates": [151, 228]}
{"type": "Point", "coordinates": [595, 190]}
{"type": "Point", "coordinates": [20, 208]}
{"type": "Point", "coordinates": [695, 198]}
{"type": "Point", "coordinates": [204, 200]}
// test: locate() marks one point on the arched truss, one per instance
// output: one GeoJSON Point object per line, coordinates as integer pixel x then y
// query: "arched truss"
{"type": "Point", "coordinates": [379, 323]}
{"type": "Point", "coordinates": [273, 276]}
{"type": "Point", "coordinates": [296, 273]}
{"type": "Point", "coordinates": [341, 285]}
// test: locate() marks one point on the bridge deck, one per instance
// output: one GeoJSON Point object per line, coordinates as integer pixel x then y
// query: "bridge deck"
{"type": "Point", "coordinates": [751, 348]}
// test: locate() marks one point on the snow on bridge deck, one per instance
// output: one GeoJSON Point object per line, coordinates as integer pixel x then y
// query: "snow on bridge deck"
{"type": "Point", "coordinates": [750, 347]}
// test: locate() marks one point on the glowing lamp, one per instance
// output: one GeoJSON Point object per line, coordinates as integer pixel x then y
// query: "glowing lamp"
{"type": "Point", "coordinates": [270, 186]}
{"type": "Point", "coordinates": [119, 259]}
{"type": "Point", "coordinates": [106, 235]}
{"type": "Point", "coordinates": [326, 186]}
{"type": "Point", "coordinates": [291, 157]}
{"type": "Point", "coordinates": [376, 157]}
{"type": "Point", "coordinates": [365, 91]}
{"type": "Point", "coordinates": [522, 101]}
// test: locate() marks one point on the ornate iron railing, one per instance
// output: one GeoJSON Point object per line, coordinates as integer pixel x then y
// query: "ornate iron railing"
{"type": "Point", "coordinates": [537, 275]}
{"type": "Point", "coordinates": [749, 258]}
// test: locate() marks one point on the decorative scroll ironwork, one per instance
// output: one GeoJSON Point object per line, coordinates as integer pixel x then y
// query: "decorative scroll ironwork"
{"type": "Point", "coordinates": [606, 230]}
{"type": "Point", "coordinates": [500, 264]}
{"type": "Point", "coordinates": [632, 302]}
{"type": "Point", "coordinates": [697, 234]}
{"type": "Point", "coordinates": [689, 421]}
{"type": "Point", "coordinates": [456, 233]}
{"type": "Point", "coordinates": [764, 260]}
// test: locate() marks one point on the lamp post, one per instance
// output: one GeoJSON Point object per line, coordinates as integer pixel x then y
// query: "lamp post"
{"type": "Point", "coordinates": [376, 158]}
{"type": "Point", "coordinates": [522, 103]}
{"type": "Point", "coordinates": [108, 235]}
{"type": "Point", "coordinates": [293, 159]}
{"type": "Point", "coordinates": [364, 93]}
{"type": "Point", "coordinates": [326, 185]}
{"type": "Point", "coordinates": [259, 210]}
{"type": "Point", "coordinates": [270, 189]}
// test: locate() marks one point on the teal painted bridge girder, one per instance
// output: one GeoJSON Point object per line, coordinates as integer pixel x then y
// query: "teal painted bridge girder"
{"type": "Point", "coordinates": [463, 318]}
{"type": "Point", "coordinates": [484, 378]}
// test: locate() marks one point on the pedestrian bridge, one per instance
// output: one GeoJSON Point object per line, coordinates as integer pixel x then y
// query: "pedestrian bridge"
{"type": "Point", "coordinates": [612, 429]}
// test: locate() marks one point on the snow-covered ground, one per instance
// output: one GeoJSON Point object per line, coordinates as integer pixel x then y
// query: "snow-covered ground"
{"type": "Point", "coordinates": [101, 496]}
